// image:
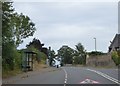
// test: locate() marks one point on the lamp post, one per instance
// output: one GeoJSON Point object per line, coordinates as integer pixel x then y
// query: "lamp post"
{"type": "Point", "coordinates": [95, 44]}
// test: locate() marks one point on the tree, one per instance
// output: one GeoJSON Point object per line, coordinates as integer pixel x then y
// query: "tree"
{"type": "Point", "coordinates": [36, 43]}
{"type": "Point", "coordinates": [7, 41]}
{"type": "Point", "coordinates": [80, 54]}
{"type": "Point", "coordinates": [6, 22]}
{"type": "Point", "coordinates": [15, 28]}
{"type": "Point", "coordinates": [51, 56]}
{"type": "Point", "coordinates": [66, 53]}
{"type": "Point", "coordinates": [40, 56]}
{"type": "Point", "coordinates": [22, 26]}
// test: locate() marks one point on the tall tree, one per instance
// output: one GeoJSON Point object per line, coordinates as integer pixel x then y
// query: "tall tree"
{"type": "Point", "coordinates": [51, 56]}
{"type": "Point", "coordinates": [22, 26]}
{"type": "Point", "coordinates": [66, 53]}
{"type": "Point", "coordinates": [80, 54]}
{"type": "Point", "coordinates": [15, 28]}
{"type": "Point", "coordinates": [7, 41]}
{"type": "Point", "coordinates": [7, 13]}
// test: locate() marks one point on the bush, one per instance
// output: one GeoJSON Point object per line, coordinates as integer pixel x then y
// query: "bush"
{"type": "Point", "coordinates": [80, 60]}
{"type": "Point", "coordinates": [40, 55]}
{"type": "Point", "coordinates": [11, 61]}
{"type": "Point", "coordinates": [94, 53]}
{"type": "Point", "coordinates": [17, 59]}
{"type": "Point", "coordinates": [116, 57]}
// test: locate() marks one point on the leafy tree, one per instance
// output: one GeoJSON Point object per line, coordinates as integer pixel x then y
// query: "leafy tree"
{"type": "Point", "coordinates": [15, 28]}
{"type": "Point", "coordinates": [80, 54]}
{"type": "Point", "coordinates": [6, 22]}
{"type": "Point", "coordinates": [40, 55]}
{"type": "Point", "coordinates": [22, 26]}
{"type": "Point", "coordinates": [7, 41]}
{"type": "Point", "coordinates": [36, 43]}
{"type": "Point", "coordinates": [66, 53]}
{"type": "Point", "coordinates": [51, 55]}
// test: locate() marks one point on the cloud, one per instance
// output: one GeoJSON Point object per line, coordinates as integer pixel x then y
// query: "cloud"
{"type": "Point", "coordinates": [66, 0]}
{"type": "Point", "coordinates": [60, 23]}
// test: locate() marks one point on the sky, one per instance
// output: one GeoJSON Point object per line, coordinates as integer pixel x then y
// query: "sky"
{"type": "Point", "coordinates": [71, 22]}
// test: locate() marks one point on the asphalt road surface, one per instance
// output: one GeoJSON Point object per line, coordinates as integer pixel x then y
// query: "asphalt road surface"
{"type": "Point", "coordinates": [73, 75]}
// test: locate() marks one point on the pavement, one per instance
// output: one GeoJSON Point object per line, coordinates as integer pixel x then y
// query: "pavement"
{"type": "Point", "coordinates": [67, 75]}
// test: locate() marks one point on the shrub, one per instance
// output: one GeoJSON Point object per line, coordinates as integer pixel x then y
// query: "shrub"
{"type": "Point", "coordinates": [40, 55]}
{"type": "Point", "coordinates": [116, 57]}
{"type": "Point", "coordinates": [94, 53]}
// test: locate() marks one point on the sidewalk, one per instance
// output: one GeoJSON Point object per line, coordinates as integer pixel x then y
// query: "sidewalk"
{"type": "Point", "coordinates": [25, 75]}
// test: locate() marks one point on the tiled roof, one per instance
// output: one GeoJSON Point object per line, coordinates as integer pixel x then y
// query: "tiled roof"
{"type": "Point", "coordinates": [116, 41]}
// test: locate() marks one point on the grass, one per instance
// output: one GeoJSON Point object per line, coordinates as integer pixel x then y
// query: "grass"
{"type": "Point", "coordinates": [8, 74]}
{"type": "Point", "coordinates": [16, 71]}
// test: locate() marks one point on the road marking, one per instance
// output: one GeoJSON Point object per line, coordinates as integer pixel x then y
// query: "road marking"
{"type": "Point", "coordinates": [106, 76]}
{"type": "Point", "coordinates": [89, 81]}
{"type": "Point", "coordinates": [65, 82]}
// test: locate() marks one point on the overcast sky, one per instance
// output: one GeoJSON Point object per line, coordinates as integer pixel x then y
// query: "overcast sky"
{"type": "Point", "coordinates": [68, 23]}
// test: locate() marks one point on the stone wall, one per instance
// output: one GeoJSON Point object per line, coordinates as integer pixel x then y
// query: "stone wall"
{"type": "Point", "coordinates": [103, 60]}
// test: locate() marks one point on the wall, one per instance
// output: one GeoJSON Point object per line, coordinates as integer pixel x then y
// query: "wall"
{"type": "Point", "coordinates": [103, 60]}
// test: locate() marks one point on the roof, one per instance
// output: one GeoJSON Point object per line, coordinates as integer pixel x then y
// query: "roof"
{"type": "Point", "coordinates": [116, 41]}
{"type": "Point", "coordinates": [30, 52]}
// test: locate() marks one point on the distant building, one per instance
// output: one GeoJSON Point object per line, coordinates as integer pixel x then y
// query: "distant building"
{"type": "Point", "coordinates": [115, 44]}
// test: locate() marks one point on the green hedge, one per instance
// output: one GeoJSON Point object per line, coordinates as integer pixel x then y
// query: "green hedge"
{"type": "Point", "coordinates": [116, 57]}
{"type": "Point", "coordinates": [41, 57]}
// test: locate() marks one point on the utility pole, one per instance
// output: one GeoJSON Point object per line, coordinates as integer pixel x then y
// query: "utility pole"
{"type": "Point", "coordinates": [95, 44]}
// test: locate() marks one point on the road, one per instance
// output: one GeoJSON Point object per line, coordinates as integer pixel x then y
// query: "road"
{"type": "Point", "coordinates": [73, 75]}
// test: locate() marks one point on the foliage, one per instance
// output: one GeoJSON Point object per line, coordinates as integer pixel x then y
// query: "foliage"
{"type": "Point", "coordinates": [51, 56]}
{"type": "Point", "coordinates": [116, 57]}
{"type": "Point", "coordinates": [15, 28]}
{"type": "Point", "coordinates": [36, 43]}
{"type": "Point", "coordinates": [40, 55]}
{"type": "Point", "coordinates": [8, 56]}
{"type": "Point", "coordinates": [22, 26]}
{"type": "Point", "coordinates": [11, 57]}
{"type": "Point", "coordinates": [66, 53]}
{"type": "Point", "coordinates": [6, 22]}
{"type": "Point", "coordinates": [94, 53]}
{"type": "Point", "coordinates": [80, 54]}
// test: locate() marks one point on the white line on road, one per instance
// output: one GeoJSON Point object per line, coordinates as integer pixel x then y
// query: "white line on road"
{"type": "Point", "coordinates": [106, 76]}
{"type": "Point", "coordinates": [65, 82]}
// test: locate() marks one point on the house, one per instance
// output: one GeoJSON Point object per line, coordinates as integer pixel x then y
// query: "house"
{"type": "Point", "coordinates": [115, 44]}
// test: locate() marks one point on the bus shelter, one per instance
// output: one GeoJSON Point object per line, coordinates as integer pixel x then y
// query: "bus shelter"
{"type": "Point", "coordinates": [27, 60]}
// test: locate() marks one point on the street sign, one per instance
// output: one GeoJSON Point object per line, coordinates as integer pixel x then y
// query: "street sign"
{"type": "Point", "coordinates": [89, 81]}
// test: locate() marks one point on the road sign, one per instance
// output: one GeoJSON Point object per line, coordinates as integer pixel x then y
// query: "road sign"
{"type": "Point", "coordinates": [89, 81]}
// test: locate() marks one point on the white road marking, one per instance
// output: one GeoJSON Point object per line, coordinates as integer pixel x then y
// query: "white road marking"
{"type": "Point", "coordinates": [89, 81]}
{"type": "Point", "coordinates": [65, 82]}
{"type": "Point", "coordinates": [106, 76]}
